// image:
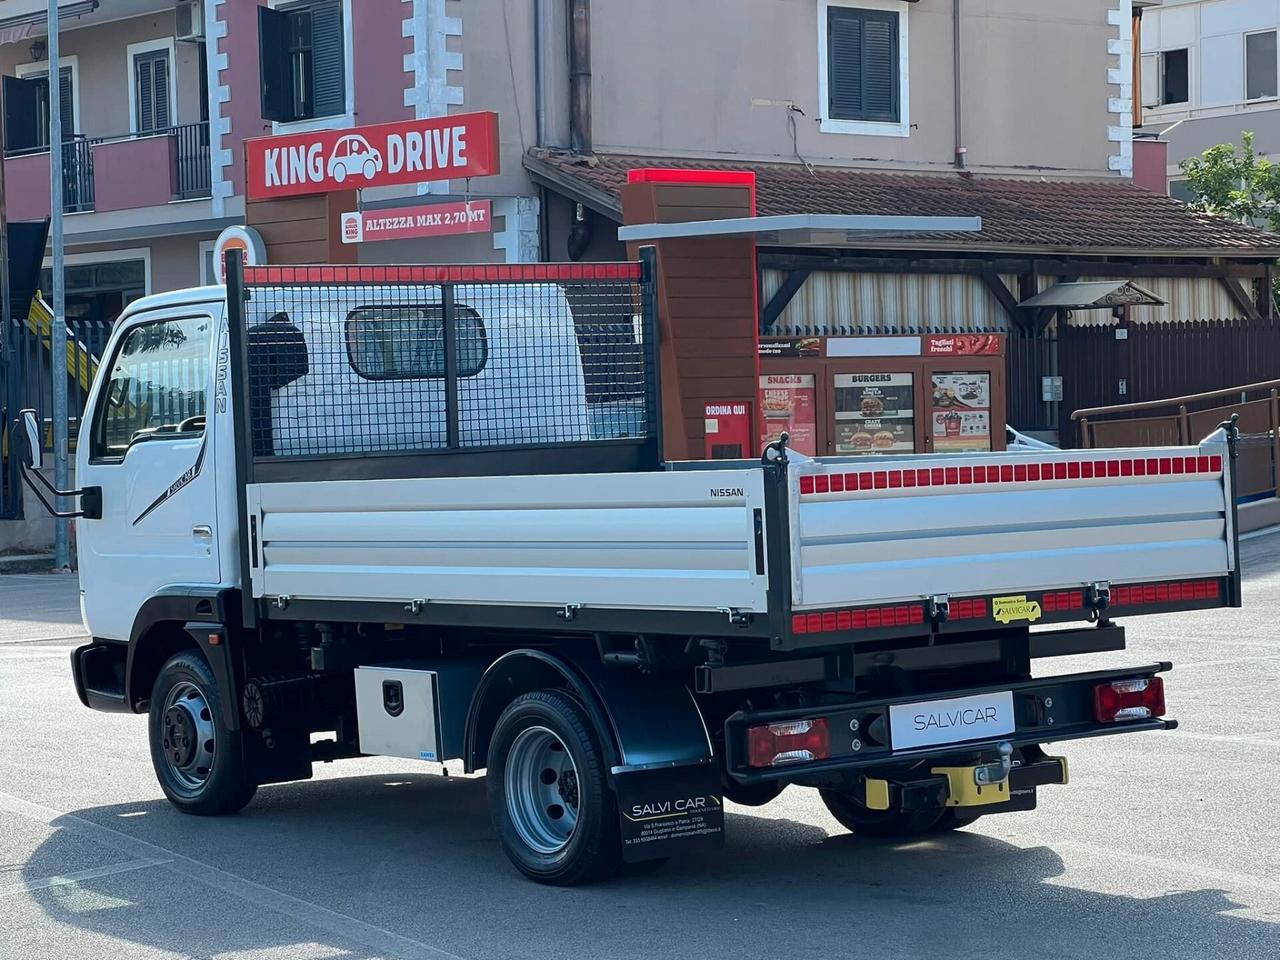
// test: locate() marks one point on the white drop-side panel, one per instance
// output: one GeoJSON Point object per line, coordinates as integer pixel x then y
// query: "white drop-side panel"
{"type": "Point", "coordinates": [661, 541]}
{"type": "Point", "coordinates": [887, 545]}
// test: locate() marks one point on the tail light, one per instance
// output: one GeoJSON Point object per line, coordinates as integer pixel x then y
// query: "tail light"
{"type": "Point", "coordinates": [1128, 700]}
{"type": "Point", "coordinates": [796, 741]}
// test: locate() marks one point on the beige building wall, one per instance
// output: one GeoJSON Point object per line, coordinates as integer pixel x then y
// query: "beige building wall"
{"type": "Point", "coordinates": [715, 77]}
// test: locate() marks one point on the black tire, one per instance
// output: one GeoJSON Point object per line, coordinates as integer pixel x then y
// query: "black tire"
{"type": "Point", "coordinates": [199, 763]}
{"type": "Point", "coordinates": [882, 824]}
{"type": "Point", "coordinates": [593, 848]}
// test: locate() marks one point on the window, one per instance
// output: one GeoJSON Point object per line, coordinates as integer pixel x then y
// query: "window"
{"type": "Point", "coordinates": [1260, 72]}
{"type": "Point", "coordinates": [98, 291]}
{"type": "Point", "coordinates": [1175, 78]}
{"type": "Point", "coordinates": [157, 388]}
{"type": "Point", "coordinates": [1180, 189]}
{"type": "Point", "coordinates": [151, 83]}
{"type": "Point", "coordinates": [862, 56]}
{"type": "Point", "coordinates": [407, 343]}
{"type": "Point", "coordinates": [302, 58]}
{"type": "Point", "coordinates": [27, 109]}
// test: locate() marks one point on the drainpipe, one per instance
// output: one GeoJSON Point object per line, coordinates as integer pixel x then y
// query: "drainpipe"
{"type": "Point", "coordinates": [961, 157]}
{"type": "Point", "coordinates": [540, 71]}
{"type": "Point", "coordinates": [580, 76]}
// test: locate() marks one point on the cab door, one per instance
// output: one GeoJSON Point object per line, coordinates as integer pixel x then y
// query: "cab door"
{"type": "Point", "coordinates": [145, 442]}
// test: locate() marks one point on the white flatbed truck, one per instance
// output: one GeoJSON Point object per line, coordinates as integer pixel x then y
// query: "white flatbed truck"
{"type": "Point", "coordinates": [423, 510]}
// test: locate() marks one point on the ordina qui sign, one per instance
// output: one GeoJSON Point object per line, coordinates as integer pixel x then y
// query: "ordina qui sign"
{"type": "Point", "coordinates": [378, 155]}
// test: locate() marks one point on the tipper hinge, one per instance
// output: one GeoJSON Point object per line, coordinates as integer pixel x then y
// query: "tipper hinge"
{"type": "Point", "coordinates": [939, 607]}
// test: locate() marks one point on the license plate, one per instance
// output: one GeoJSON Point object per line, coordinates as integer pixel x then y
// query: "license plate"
{"type": "Point", "coordinates": [955, 720]}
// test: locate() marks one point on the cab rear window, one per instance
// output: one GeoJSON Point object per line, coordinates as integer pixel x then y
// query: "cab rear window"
{"type": "Point", "coordinates": [407, 342]}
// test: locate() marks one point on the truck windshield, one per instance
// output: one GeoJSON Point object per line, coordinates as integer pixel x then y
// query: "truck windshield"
{"type": "Point", "coordinates": [158, 385]}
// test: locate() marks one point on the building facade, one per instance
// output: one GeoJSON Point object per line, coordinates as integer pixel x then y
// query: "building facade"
{"type": "Point", "coordinates": [1018, 111]}
{"type": "Point", "coordinates": [1209, 71]}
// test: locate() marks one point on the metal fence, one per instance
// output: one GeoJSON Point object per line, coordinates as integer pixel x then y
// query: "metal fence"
{"type": "Point", "coordinates": [1134, 363]}
{"type": "Point", "coordinates": [86, 342]}
{"type": "Point", "coordinates": [373, 362]}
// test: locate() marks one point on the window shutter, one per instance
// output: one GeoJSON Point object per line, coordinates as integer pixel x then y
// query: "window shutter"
{"type": "Point", "coordinates": [880, 66]}
{"type": "Point", "coordinates": [844, 64]}
{"type": "Point", "coordinates": [67, 103]}
{"type": "Point", "coordinates": [328, 72]}
{"type": "Point", "coordinates": [160, 91]}
{"type": "Point", "coordinates": [21, 114]}
{"type": "Point", "coordinates": [273, 64]}
{"type": "Point", "coordinates": [143, 80]}
{"type": "Point", "coordinates": [862, 65]}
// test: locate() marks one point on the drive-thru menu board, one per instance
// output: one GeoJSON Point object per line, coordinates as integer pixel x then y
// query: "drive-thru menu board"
{"type": "Point", "coordinates": [874, 413]}
{"type": "Point", "coordinates": [787, 405]}
{"type": "Point", "coordinates": [960, 411]}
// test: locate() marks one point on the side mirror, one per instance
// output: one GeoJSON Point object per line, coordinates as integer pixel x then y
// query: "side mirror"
{"type": "Point", "coordinates": [32, 454]}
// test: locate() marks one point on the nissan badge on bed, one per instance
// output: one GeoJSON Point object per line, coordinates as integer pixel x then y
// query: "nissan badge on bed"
{"type": "Point", "coordinates": [421, 512]}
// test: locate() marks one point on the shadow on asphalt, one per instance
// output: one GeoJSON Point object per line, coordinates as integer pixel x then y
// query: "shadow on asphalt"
{"type": "Point", "coordinates": [414, 854]}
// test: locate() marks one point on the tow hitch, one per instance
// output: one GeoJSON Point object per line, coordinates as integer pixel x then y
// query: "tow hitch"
{"type": "Point", "coordinates": [1004, 783]}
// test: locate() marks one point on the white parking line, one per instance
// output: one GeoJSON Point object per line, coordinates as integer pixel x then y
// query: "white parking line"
{"type": "Point", "coordinates": [339, 925]}
{"type": "Point", "coordinates": [67, 879]}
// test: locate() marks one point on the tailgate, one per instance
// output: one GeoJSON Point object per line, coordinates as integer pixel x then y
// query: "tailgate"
{"type": "Point", "coordinates": [884, 532]}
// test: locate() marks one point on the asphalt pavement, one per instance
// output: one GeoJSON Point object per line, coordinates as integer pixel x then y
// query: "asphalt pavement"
{"type": "Point", "coordinates": [1164, 844]}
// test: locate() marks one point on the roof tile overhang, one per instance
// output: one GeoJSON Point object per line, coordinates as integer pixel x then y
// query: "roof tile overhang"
{"type": "Point", "coordinates": [1019, 216]}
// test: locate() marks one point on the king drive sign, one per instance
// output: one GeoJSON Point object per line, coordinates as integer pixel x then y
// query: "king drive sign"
{"type": "Point", "coordinates": [378, 155]}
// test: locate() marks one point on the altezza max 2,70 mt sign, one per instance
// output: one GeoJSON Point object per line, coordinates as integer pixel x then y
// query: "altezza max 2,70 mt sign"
{"type": "Point", "coordinates": [379, 155]}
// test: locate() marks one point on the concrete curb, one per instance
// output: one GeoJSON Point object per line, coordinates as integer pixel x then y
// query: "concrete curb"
{"type": "Point", "coordinates": [26, 563]}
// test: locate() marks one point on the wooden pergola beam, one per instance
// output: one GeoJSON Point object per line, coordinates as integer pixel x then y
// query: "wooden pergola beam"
{"type": "Point", "coordinates": [791, 285]}
{"type": "Point", "coordinates": [1121, 270]}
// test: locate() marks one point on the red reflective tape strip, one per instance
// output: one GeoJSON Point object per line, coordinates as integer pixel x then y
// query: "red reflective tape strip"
{"type": "Point", "coordinates": [453, 273]}
{"type": "Point", "coordinates": [1009, 473]}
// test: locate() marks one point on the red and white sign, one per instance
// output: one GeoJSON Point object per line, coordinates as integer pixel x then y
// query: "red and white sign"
{"type": "Point", "coordinates": [962, 345]}
{"type": "Point", "coordinates": [245, 239]}
{"type": "Point", "coordinates": [400, 223]}
{"type": "Point", "coordinates": [379, 155]}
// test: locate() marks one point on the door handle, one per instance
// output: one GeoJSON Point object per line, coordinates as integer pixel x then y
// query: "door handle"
{"type": "Point", "coordinates": [202, 531]}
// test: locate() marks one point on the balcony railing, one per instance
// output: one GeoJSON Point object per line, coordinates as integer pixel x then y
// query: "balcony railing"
{"type": "Point", "coordinates": [188, 160]}
{"type": "Point", "coordinates": [191, 161]}
{"type": "Point", "coordinates": [77, 175]}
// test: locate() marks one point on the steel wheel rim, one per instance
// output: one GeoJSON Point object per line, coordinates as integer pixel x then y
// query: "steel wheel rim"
{"type": "Point", "coordinates": [188, 738]}
{"type": "Point", "coordinates": [542, 790]}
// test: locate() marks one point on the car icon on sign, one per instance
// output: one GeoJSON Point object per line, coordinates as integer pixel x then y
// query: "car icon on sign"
{"type": "Point", "coordinates": [353, 155]}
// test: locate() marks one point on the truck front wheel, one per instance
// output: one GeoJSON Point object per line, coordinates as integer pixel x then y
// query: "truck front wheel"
{"type": "Point", "coordinates": [857, 818]}
{"type": "Point", "coordinates": [548, 796]}
{"type": "Point", "coordinates": [199, 763]}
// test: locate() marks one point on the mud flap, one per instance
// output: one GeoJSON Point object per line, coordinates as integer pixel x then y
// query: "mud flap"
{"type": "Point", "coordinates": [669, 811]}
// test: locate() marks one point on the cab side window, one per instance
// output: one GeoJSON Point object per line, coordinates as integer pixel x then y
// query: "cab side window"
{"type": "Point", "coordinates": [158, 386]}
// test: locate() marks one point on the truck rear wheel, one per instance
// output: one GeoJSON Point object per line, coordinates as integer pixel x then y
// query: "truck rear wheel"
{"type": "Point", "coordinates": [548, 795]}
{"type": "Point", "coordinates": [857, 818]}
{"type": "Point", "coordinates": [199, 763]}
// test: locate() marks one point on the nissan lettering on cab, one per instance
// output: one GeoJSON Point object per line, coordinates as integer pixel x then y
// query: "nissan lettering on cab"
{"type": "Point", "coordinates": [422, 512]}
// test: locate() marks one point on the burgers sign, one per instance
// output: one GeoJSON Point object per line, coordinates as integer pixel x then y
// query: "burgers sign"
{"type": "Point", "coordinates": [379, 155]}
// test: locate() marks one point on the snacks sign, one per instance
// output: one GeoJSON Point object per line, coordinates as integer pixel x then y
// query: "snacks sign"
{"type": "Point", "coordinates": [787, 406]}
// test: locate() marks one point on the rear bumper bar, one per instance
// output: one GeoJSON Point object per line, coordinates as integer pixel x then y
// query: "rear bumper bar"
{"type": "Point", "coordinates": [1046, 710]}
